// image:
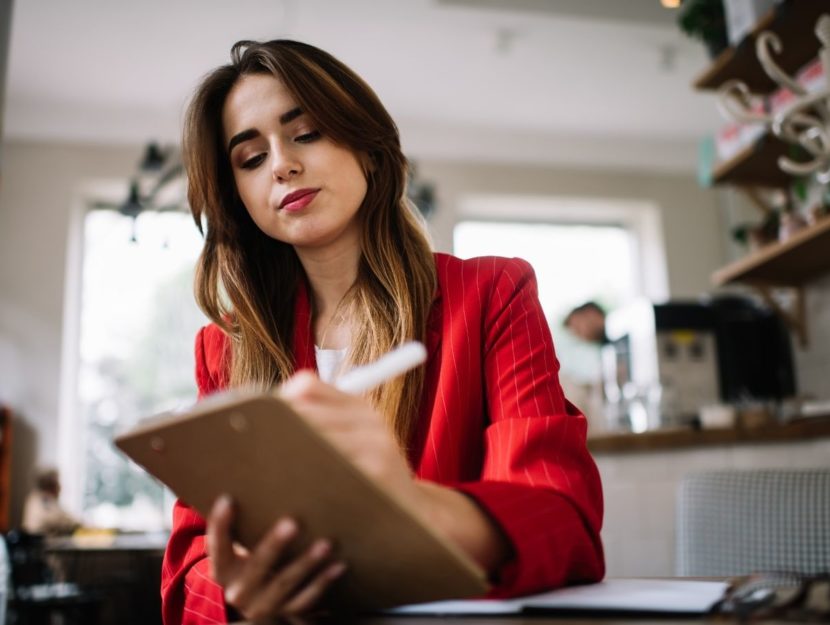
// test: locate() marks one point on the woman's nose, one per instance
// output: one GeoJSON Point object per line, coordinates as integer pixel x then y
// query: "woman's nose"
{"type": "Point", "coordinates": [285, 165]}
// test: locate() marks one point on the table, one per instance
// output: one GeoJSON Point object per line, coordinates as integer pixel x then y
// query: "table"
{"type": "Point", "coordinates": [124, 568]}
{"type": "Point", "coordinates": [498, 620]}
{"type": "Point", "coordinates": [607, 604]}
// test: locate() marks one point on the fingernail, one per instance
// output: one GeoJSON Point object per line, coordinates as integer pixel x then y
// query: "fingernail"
{"type": "Point", "coordinates": [231, 595]}
{"type": "Point", "coordinates": [286, 528]}
{"type": "Point", "coordinates": [320, 549]}
{"type": "Point", "coordinates": [223, 503]}
{"type": "Point", "coordinates": [336, 570]}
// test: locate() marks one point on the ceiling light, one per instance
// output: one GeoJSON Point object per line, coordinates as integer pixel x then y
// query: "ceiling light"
{"type": "Point", "coordinates": [670, 4]}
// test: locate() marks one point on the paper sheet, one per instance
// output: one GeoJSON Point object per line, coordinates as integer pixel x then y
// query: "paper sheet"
{"type": "Point", "coordinates": [477, 606]}
{"type": "Point", "coordinates": [624, 594]}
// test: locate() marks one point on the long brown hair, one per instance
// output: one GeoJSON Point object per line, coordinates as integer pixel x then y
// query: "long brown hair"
{"type": "Point", "coordinates": [246, 282]}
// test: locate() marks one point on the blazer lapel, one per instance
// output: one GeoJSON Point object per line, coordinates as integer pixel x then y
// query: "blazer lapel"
{"type": "Point", "coordinates": [434, 322]}
{"type": "Point", "coordinates": [304, 357]}
{"type": "Point", "coordinates": [433, 370]}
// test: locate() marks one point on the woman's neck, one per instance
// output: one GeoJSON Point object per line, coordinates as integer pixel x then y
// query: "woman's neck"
{"type": "Point", "coordinates": [331, 273]}
{"type": "Point", "coordinates": [330, 276]}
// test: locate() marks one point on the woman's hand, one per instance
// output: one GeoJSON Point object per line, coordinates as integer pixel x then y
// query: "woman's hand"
{"type": "Point", "coordinates": [262, 583]}
{"type": "Point", "coordinates": [354, 427]}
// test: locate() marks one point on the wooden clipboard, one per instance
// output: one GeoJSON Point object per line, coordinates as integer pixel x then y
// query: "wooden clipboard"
{"type": "Point", "coordinates": [255, 448]}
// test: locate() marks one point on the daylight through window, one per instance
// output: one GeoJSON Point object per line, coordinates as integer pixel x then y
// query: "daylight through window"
{"type": "Point", "coordinates": [137, 325]}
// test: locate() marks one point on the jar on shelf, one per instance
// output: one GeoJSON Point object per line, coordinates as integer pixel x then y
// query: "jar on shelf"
{"type": "Point", "coordinates": [790, 224]}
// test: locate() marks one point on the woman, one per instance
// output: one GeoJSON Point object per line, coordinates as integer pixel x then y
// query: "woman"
{"type": "Point", "coordinates": [314, 260]}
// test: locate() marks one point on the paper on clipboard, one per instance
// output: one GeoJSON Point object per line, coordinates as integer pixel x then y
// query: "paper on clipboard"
{"type": "Point", "coordinates": [255, 448]}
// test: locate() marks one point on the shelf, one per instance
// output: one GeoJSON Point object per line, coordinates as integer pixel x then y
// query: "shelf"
{"type": "Point", "coordinates": [794, 22]}
{"type": "Point", "coordinates": [755, 166]}
{"type": "Point", "coordinates": [661, 440]}
{"type": "Point", "coordinates": [794, 262]}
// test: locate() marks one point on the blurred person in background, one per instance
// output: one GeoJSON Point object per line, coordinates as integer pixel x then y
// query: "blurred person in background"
{"type": "Point", "coordinates": [582, 378]}
{"type": "Point", "coordinates": [587, 322]}
{"type": "Point", "coordinates": [42, 512]}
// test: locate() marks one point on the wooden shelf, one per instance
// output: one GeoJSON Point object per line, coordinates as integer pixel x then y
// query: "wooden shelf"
{"type": "Point", "coordinates": [794, 262]}
{"type": "Point", "coordinates": [755, 165]}
{"type": "Point", "coordinates": [661, 440]}
{"type": "Point", "coordinates": [794, 22]}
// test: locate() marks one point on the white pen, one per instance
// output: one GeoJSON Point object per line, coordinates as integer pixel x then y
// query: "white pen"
{"type": "Point", "coordinates": [398, 361]}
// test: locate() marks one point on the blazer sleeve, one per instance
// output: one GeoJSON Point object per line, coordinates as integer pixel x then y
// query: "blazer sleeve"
{"type": "Point", "coordinates": [188, 591]}
{"type": "Point", "coordinates": [538, 481]}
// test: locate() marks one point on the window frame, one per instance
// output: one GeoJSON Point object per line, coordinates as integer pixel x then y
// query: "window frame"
{"type": "Point", "coordinates": [643, 219]}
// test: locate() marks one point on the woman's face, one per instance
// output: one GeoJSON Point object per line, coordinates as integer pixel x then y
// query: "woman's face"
{"type": "Point", "coordinates": [298, 186]}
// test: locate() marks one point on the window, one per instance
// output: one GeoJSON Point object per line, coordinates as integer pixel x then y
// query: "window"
{"type": "Point", "coordinates": [581, 250]}
{"type": "Point", "coordinates": [573, 264]}
{"type": "Point", "coordinates": [135, 329]}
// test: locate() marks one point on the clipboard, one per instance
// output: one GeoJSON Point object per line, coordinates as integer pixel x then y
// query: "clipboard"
{"type": "Point", "coordinates": [254, 447]}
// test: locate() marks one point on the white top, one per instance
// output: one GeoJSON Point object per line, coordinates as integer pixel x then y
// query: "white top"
{"type": "Point", "coordinates": [329, 362]}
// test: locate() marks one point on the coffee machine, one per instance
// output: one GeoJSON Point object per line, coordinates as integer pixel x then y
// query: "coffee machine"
{"type": "Point", "coordinates": [663, 362]}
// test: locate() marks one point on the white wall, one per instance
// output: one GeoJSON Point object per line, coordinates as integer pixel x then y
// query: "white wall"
{"type": "Point", "coordinates": [40, 184]}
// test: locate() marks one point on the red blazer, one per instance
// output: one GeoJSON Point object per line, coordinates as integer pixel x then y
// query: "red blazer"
{"type": "Point", "coordinates": [494, 425]}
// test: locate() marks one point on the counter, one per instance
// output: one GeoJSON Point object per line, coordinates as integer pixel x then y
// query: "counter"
{"type": "Point", "coordinates": [666, 439]}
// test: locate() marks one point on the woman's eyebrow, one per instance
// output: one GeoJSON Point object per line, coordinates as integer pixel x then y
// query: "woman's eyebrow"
{"type": "Point", "coordinates": [239, 137]}
{"type": "Point", "coordinates": [251, 133]}
{"type": "Point", "coordinates": [290, 115]}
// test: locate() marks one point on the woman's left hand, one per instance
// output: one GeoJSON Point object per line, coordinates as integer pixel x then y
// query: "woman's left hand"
{"type": "Point", "coordinates": [354, 427]}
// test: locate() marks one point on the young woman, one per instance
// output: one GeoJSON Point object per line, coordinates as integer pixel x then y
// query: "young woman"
{"type": "Point", "coordinates": [314, 261]}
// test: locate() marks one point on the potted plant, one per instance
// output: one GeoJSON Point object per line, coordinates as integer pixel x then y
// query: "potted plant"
{"type": "Point", "coordinates": [705, 20]}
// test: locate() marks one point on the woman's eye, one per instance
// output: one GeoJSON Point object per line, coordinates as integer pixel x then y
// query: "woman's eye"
{"type": "Point", "coordinates": [308, 137]}
{"type": "Point", "coordinates": [253, 161]}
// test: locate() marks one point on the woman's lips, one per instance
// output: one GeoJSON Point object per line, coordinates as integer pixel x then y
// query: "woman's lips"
{"type": "Point", "coordinates": [298, 200]}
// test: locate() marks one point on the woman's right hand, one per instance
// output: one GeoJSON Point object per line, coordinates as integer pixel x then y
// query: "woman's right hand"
{"type": "Point", "coordinates": [261, 583]}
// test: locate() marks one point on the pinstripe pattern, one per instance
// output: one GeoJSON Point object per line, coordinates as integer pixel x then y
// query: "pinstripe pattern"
{"type": "Point", "coordinates": [494, 424]}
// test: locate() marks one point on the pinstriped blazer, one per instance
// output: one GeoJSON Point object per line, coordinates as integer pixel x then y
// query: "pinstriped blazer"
{"type": "Point", "coordinates": [494, 424]}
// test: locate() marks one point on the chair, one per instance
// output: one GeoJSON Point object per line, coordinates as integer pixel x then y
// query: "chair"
{"type": "Point", "coordinates": [36, 597]}
{"type": "Point", "coordinates": [739, 522]}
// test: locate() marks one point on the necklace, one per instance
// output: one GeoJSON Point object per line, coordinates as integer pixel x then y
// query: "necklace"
{"type": "Point", "coordinates": [337, 316]}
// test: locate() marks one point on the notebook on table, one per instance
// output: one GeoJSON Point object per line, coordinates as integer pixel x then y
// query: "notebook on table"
{"type": "Point", "coordinates": [624, 597]}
